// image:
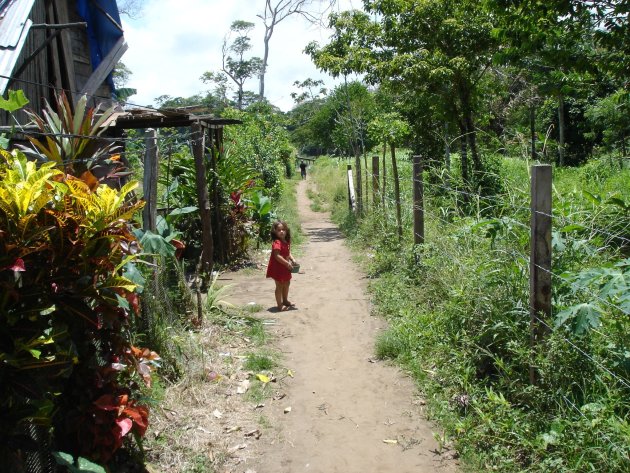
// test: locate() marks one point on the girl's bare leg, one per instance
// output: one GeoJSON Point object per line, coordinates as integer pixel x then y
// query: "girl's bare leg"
{"type": "Point", "coordinates": [279, 294]}
{"type": "Point", "coordinates": [285, 294]}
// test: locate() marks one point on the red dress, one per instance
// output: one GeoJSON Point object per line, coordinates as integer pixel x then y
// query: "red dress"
{"type": "Point", "coordinates": [275, 269]}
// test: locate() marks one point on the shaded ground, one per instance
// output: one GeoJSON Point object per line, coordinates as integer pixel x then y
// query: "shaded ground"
{"type": "Point", "coordinates": [341, 410]}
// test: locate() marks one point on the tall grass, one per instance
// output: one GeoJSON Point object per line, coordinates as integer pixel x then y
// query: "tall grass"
{"type": "Point", "coordinates": [458, 315]}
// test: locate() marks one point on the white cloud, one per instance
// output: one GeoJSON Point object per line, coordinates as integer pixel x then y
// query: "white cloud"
{"type": "Point", "coordinates": [176, 41]}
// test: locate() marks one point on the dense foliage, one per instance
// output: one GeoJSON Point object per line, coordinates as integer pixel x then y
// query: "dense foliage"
{"type": "Point", "coordinates": [458, 310]}
{"type": "Point", "coordinates": [67, 363]}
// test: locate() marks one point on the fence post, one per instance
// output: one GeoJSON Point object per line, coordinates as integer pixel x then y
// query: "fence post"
{"type": "Point", "coordinates": [207, 242]}
{"type": "Point", "coordinates": [418, 201]}
{"type": "Point", "coordinates": [540, 258]}
{"type": "Point", "coordinates": [352, 200]}
{"type": "Point", "coordinates": [375, 181]}
{"type": "Point", "coordinates": [149, 181]}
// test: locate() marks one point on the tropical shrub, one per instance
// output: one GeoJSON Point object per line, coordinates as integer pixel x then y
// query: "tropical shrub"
{"type": "Point", "coordinates": [69, 139]}
{"type": "Point", "coordinates": [67, 364]}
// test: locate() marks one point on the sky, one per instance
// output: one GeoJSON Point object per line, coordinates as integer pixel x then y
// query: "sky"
{"type": "Point", "coordinates": [169, 49]}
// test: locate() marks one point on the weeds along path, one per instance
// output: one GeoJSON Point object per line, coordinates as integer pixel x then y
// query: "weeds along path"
{"type": "Point", "coordinates": [348, 412]}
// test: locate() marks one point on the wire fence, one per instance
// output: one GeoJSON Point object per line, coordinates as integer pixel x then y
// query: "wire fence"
{"type": "Point", "coordinates": [514, 207]}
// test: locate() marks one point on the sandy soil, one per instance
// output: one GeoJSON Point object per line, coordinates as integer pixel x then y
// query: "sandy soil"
{"type": "Point", "coordinates": [349, 413]}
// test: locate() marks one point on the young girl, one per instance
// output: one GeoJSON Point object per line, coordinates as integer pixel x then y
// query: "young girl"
{"type": "Point", "coordinates": [280, 263]}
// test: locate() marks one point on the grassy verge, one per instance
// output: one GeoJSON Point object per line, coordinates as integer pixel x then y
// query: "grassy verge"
{"type": "Point", "coordinates": [458, 315]}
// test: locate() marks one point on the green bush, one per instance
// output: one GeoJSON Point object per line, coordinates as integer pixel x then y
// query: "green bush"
{"type": "Point", "coordinates": [66, 360]}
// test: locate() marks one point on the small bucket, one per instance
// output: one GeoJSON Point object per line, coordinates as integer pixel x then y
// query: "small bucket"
{"type": "Point", "coordinates": [296, 268]}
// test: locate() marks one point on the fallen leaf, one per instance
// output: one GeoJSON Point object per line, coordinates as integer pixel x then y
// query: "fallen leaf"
{"type": "Point", "coordinates": [254, 433]}
{"type": "Point", "coordinates": [290, 373]}
{"type": "Point", "coordinates": [243, 387]}
{"type": "Point", "coordinates": [217, 414]}
{"type": "Point", "coordinates": [287, 410]}
{"type": "Point", "coordinates": [213, 376]}
{"type": "Point", "coordinates": [263, 378]}
{"type": "Point", "coordinates": [235, 448]}
{"type": "Point", "coordinates": [390, 441]}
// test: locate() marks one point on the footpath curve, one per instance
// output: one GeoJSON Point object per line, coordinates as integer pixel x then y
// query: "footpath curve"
{"type": "Point", "coordinates": [349, 413]}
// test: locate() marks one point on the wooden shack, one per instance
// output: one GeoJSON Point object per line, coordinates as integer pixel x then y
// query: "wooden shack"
{"type": "Point", "coordinates": [47, 46]}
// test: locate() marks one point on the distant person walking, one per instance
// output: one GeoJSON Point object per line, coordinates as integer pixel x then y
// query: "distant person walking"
{"type": "Point", "coordinates": [303, 169]}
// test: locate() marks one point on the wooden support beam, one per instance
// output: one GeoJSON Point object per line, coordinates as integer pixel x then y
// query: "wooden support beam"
{"type": "Point", "coordinates": [375, 181]}
{"type": "Point", "coordinates": [104, 68]}
{"type": "Point", "coordinates": [540, 258]}
{"type": "Point", "coordinates": [150, 181]}
{"type": "Point", "coordinates": [207, 241]}
{"type": "Point", "coordinates": [418, 201]}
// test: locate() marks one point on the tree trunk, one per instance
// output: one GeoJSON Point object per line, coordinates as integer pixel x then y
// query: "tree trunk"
{"type": "Point", "coordinates": [357, 164]}
{"type": "Point", "coordinates": [263, 69]}
{"type": "Point", "coordinates": [447, 155]}
{"type": "Point", "coordinates": [396, 191]}
{"type": "Point", "coordinates": [367, 181]}
{"type": "Point", "coordinates": [561, 130]}
{"type": "Point", "coordinates": [472, 143]}
{"type": "Point", "coordinates": [463, 143]}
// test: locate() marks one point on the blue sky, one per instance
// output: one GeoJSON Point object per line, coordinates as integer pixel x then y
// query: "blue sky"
{"type": "Point", "coordinates": [169, 49]}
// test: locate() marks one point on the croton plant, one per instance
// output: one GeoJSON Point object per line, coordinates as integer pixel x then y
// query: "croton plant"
{"type": "Point", "coordinates": [67, 362]}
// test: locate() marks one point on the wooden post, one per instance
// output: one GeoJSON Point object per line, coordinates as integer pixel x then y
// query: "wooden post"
{"type": "Point", "coordinates": [540, 258]}
{"type": "Point", "coordinates": [418, 201]}
{"type": "Point", "coordinates": [215, 149]}
{"type": "Point", "coordinates": [352, 200]}
{"type": "Point", "coordinates": [207, 242]}
{"type": "Point", "coordinates": [150, 180]}
{"type": "Point", "coordinates": [375, 181]}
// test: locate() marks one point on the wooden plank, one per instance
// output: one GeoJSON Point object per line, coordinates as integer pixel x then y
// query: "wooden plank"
{"type": "Point", "coordinates": [540, 258]}
{"type": "Point", "coordinates": [418, 201]}
{"type": "Point", "coordinates": [65, 48]}
{"type": "Point", "coordinates": [207, 241]}
{"type": "Point", "coordinates": [54, 66]}
{"type": "Point", "coordinates": [375, 181]}
{"type": "Point", "coordinates": [150, 181]}
{"type": "Point", "coordinates": [104, 68]}
{"type": "Point", "coordinates": [352, 200]}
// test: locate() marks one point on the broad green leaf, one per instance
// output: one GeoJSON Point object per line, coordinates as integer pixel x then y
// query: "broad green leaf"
{"type": "Point", "coordinates": [582, 317]}
{"type": "Point", "coordinates": [16, 101]}
{"type": "Point", "coordinates": [156, 244]}
{"type": "Point", "coordinates": [575, 227]}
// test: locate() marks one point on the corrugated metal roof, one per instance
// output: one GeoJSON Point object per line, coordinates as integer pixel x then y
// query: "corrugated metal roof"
{"type": "Point", "coordinates": [13, 22]}
{"type": "Point", "coordinates": [14, 27]}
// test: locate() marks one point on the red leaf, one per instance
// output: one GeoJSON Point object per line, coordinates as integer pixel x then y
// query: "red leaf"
{"type": "Point", "coordinates": [125, 425]}
{"type": "Point", "coordinates": [106, 402]}
{"type": "Point", "coordinates": [18, 265]}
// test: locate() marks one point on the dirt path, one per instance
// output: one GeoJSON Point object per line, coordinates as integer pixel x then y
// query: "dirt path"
{"type": "Point", "coordinates": [344, 405]}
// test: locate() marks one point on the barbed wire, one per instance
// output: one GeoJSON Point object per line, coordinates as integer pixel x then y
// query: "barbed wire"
{"type": "Point", "coordinates": [501, 200]}
{"type": "Point", "coordinates": [579, 411]}
{"type": "Point", "coordinates": [621, 380]}
{"type": "Point", "coordinates": [576, 287]}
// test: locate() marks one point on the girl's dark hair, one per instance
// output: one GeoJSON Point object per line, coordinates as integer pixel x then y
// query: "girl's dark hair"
{"type": "Point", "coordinates": [275, 225]}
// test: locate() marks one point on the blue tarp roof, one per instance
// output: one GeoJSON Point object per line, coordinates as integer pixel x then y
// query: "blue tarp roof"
{"type": "Point", "coordinates": [103, 31]}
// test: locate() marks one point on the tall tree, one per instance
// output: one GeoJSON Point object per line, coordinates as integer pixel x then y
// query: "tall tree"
{"type": "Point", "coordinates": [235, 65]}
{"type": "Point", "coordinates": [439, 49]}
{"type": "Point", "coordinates": [275, 12]}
